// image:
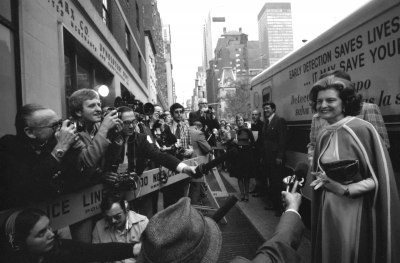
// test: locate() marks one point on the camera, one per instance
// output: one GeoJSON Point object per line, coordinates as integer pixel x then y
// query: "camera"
{"type": "Point", "coordinates": [126, 181]}
{"type": "Point", "coordinates": [79, 126]}
{"type": "Point", "coordinates": [111, 109]}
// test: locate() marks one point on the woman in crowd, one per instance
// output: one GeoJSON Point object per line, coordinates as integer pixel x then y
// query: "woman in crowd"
{"type": "Point", "coordinates": [31, 240]}
{"type": "Point", "coordinates": [242, 167]}
{"type": "Point", "coordinates": [355, 206]}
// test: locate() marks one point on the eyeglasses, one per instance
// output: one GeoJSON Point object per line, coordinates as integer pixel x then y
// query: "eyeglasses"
{"type": "Point", "coordinates": [178, 112]}
{"type": "Point", "coordinates": [55, 126]}
{"type": "Point", "coordinates": [129, 123]}
{"type": "Point", "coordinates": [203, 103]}
{"type": "Point", "coordinates": [116, 217]}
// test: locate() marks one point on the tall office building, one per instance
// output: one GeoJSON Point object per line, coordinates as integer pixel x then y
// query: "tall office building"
{"type": "Point", "coordinates": [212, 30]}
{"type": "Point", "coordinates": [275, 32]}
{"type": "Point", "coordinates": [166, 33]}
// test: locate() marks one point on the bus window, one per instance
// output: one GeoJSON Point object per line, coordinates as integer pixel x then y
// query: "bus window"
{"type": "Point", "coordinates": [266, 94]}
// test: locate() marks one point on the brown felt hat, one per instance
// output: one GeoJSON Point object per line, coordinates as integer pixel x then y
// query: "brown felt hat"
{"type": "Point", "coordinates": [180, 234]}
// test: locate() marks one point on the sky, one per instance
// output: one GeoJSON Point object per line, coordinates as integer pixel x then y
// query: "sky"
{"type": "Point", "coordinates": [186, 18]}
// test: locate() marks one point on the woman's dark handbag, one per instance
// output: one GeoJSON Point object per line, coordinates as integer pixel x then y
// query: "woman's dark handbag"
{"type": "Point", "coordinates": [343, 171]}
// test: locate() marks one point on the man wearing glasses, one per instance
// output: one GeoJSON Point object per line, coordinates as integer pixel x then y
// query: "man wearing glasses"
{"type": "Point", "coordinates": [180, 129]}
{"type": "Point", "coordinates": [119, 224]}
{"type": "Point", "coordinates": [203, 115]}
{"type": "Point", "coordinates": [136, 148]}
{"type": "Point", "coordinates": [33, 162]}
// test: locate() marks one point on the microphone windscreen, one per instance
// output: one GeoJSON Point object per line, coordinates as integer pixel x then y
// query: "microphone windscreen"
{"type": "Point", "coordinates": [301, 171]}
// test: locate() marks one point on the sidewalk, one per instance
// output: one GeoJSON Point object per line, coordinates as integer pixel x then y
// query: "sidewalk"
{"type": "Point", "coordinates": [264, 221]}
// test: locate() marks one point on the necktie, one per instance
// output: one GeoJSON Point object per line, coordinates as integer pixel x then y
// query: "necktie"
{"type": "Point", "coordinates": [178, 131]}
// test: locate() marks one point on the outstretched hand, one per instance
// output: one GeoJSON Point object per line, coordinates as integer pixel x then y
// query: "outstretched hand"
{"type": "Point", "coordinates": [189, 170]}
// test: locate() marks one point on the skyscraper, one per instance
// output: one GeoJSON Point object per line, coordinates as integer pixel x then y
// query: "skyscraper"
{"type": "Point", "coordinates": [275, 32]}
{"type": "Point", "coordinates": [213, 29]}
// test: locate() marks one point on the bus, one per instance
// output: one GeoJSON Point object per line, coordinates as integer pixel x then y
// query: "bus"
{"type": "Point", "coordinates": [366, 44]}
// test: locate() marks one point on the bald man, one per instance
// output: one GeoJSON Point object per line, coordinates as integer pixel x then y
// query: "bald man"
{"type": "Point", "coordinates": [257, 126]}
{"type": "Point", "coordinates": [207, 119]}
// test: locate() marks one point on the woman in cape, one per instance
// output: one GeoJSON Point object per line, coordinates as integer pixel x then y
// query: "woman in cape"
{"type": "Point", "coordinates": [355, 218]}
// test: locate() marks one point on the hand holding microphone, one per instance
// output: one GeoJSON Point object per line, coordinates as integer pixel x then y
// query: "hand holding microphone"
{"type": "Point", "coordinates": [299, 177]}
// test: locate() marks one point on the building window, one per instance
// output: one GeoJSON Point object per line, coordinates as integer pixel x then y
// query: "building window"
{"type": "Point", "coordinates": [106, 13]}
{"type": "Point", "coordinates": [137, 17]}
{"type": "Point", "coordinates": [128, 43]}
{"type": "Point", "coordinates": [82, 70]}
{"type": "Point", "coordinates": [11, 93]}
{"type": "Point", "coordinates": [140, 65]}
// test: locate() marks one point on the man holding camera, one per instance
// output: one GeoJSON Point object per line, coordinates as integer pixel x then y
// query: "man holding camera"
{"type": "Point", "coordinates": [33, 162]}
{"type": "Point", "coordinates": [100, 134]}
{"type": "Point", "coordinates": [206, 116]}
{"type": "Point", "coordinates": [136, 148]}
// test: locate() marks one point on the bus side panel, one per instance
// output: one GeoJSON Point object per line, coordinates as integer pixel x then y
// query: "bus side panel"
{"type": "Point", "coordinates": [370, 54]}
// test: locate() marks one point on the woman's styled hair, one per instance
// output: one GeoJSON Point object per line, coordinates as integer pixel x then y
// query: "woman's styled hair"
{"type": "Point", "coordinates": [351, 102]}
{"type": "Point", "coordinates": [20, 228]}
{"type": "Point", "coordinates": [24, 222]}
{"type": "Point", "coordinates": [239, 115]}
{"type": "Point", "coordinates": [78, 97]}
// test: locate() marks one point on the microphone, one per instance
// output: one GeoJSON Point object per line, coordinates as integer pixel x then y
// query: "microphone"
{"type": "Point", "coordinates": [204, 168]}
{"type": "Point", "coordinates": [300, 173]}
{"type": "Point", "coordinates": [221, 212]}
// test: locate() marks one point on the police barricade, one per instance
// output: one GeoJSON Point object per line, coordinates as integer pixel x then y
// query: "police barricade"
{"type": "Point", "coordinates": [76, 206]}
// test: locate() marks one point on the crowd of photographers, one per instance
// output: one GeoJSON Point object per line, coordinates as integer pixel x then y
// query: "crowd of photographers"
{"type": "Point", "coordinates": [49, 157]}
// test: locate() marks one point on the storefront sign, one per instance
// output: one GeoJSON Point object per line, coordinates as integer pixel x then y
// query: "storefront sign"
{"type": "Point", "coordinates": [75, 23]}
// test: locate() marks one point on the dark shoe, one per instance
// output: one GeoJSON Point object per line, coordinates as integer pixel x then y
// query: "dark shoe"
{"type": "Point", "coordinates": [242, 199]}
{"type": "Point", "coordinates": [258, 195]}
{"type": "Point", "coordinates": [253, 191]}
{"type": "Point", "coordinates": [245, 199]}
{"type": "Point", "coordinates": [269, 207]}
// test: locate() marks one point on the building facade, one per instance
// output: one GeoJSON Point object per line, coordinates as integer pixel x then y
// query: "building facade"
{"type": "Point", "coordinates": [54, 48]}
{"type": "Point", "coordinates": [199, 90]}
{"type": "Point", "coordinates": [152, 23]}
{"type": "Point", "coordinates": [151, 64]}
{"type": "Point", "coordinates": [212, 31]}
{"type": "Point", "coordinates": [275, 32]}
{"type": "Point", "coordinates": [166, 35]}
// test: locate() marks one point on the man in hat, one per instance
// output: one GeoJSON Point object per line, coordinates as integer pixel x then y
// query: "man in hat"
{"type": "Point", "coordinates": [182, 234]}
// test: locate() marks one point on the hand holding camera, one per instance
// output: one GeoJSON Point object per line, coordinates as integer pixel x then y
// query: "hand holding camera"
{"type": "Point", "coordinates": [121, 181]}
{"type": "Point", "coordinates": [111, 125]}
{"type": "Point", "coordinates": [66, 135]}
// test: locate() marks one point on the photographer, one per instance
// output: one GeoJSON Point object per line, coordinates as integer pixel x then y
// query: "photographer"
{"type": "Point", "coordinates": [99, 136]}
{"type": "Point", "coordinates": [136, 148]}
{"type": "Point", "coordinates": [164, 138]}
{"type": "Point", "coordinates": [205, 115]}
{"type": "Point", "coordinates": [33, 161]}
{"type": "Point", "coordinates": [120, 224]}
